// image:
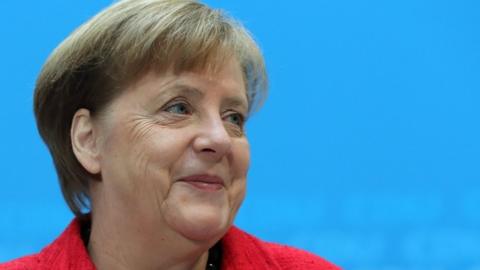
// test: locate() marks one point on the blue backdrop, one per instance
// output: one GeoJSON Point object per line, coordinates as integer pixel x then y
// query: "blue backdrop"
{"type": "Point", "coordinates": [367, 151]}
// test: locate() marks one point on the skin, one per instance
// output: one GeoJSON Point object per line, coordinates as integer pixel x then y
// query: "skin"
{"type": "Point", "coordinates": [163, 129]}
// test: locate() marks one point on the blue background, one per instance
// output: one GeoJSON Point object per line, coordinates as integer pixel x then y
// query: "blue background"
{"type": "Point", "coordinates": [367, 151]}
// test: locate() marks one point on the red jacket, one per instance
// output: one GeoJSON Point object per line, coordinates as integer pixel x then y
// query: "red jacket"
{"type": "Point", "coordinates": [240, 251]}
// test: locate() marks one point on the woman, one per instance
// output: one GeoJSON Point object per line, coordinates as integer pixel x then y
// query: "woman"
{"type": "Point", "coordinates": [143, 110]}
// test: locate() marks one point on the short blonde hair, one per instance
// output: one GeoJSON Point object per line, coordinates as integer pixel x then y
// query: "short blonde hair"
{"type": "Point", "coordinates": [98, 60]}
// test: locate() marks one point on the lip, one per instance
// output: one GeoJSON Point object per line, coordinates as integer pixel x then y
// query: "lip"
{"type": "Point", "coordinates": [205, 182]}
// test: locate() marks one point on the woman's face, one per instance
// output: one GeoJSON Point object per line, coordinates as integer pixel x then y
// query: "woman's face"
{"type": "Point", "coordinates": [172, 151]}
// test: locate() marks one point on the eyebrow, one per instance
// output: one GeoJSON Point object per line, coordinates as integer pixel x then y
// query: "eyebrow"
{"type": "Point", "coordinates": [236, 102]}
{"type": "Point", "coordinates": [169, 91]}
{"type": "Point", "coordinates": [188, 90]}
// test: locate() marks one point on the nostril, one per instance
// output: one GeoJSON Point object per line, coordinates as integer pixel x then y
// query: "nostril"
{"type": "Point", "coordinates": [208, 150]}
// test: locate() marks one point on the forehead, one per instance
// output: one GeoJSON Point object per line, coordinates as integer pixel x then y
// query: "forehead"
{"type": "Point", "coordinates": [227, 76]}
{"type": "Point", "coordinates": [227, 80]}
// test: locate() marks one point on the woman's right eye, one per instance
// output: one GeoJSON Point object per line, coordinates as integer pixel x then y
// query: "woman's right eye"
{"type": "Point", "coordinates": [179, 108]}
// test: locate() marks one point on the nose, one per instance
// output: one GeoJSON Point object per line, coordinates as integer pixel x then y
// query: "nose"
{"type": "Point", "coordinates": [213, 141]}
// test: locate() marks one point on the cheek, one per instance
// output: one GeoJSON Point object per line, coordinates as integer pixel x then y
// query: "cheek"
{"type": "Point", "coordinates": [240, 158]}
{"type": "Point", "coordinates": [240, 165]}
{"type": "Point", "coordinates": [156, 156]}
{"type": "Point", "coordinates": [138, 158]}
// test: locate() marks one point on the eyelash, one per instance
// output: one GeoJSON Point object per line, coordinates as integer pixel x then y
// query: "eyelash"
{"type": "Point", "coordinates": [241, 119]}
{"type": "Point", "coordinates": [189, 110]}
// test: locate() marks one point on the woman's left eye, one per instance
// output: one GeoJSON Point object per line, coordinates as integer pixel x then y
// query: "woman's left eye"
{"type": "Point", "coordinates": [236, 119]}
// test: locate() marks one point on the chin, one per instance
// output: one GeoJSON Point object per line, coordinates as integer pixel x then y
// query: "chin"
{"type": "Point", "coordinates": [199, 223]}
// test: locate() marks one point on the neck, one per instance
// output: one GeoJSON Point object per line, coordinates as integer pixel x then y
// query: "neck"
{"type": "Point", "coordinates": [123, 243]}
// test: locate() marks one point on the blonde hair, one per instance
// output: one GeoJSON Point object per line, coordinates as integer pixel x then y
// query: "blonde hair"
{"type": "Point", "coordinates": [98, 60]}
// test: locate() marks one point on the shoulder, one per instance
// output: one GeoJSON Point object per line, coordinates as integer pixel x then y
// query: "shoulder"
{"type": "Point", "coordinates": [66, 252]}
{"type": "Point", "coordinates": [293, 258]}
{"type": "Point", "coordinates": [30, 262]}
{"type": "Point", "coordinates": [246, 249]}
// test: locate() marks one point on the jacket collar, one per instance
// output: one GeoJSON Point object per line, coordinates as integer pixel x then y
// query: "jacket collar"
{"type": "Point", "coordinates": [239, 251]}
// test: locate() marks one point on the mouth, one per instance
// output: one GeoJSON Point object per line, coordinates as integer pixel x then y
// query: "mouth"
{"type": "Point", "coordinates": [204, 182]}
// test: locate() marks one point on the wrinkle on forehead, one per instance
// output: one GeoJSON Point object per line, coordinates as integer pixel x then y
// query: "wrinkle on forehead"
{"type": "Point", "coordinates": [198, 79]}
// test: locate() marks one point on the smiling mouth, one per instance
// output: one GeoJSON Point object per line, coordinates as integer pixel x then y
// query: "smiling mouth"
{"type": "Point", "coordinates": [204, 182]}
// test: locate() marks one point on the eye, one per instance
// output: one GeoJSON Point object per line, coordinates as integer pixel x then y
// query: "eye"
{"type": "Point", "coordinates": [179, 108]}
{"type": "Point", "coordinates": [236, 119]}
